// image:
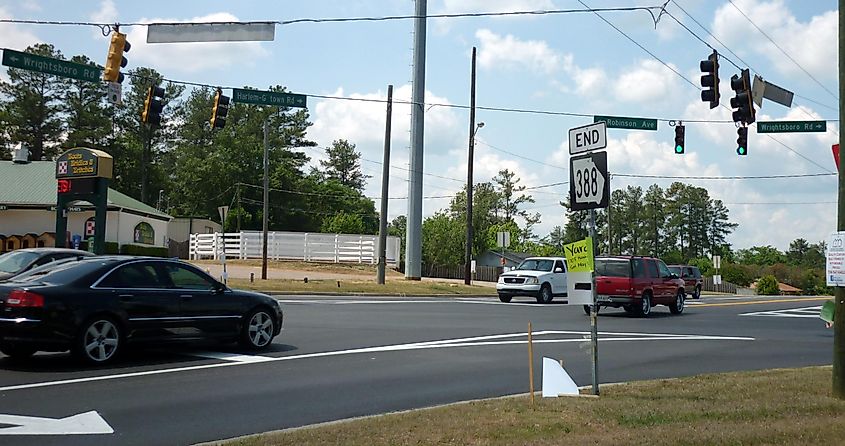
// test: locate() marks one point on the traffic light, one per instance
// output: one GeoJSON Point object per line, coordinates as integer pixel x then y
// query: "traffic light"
{"type": "Point", "coordinates": [115, 60]}
{"type": "Point", "coordinates": [710, 79]}
{"type": "Point", "coordinates": [153, 106]}
{"type": "Point", "coordinates": [679, 139]}
{"type": "Point", "coordinates": [741, 85]}
{"type": "Point", "coordinates": [220, 110]}
{"type": "Point", "coordinates": [742, 141]}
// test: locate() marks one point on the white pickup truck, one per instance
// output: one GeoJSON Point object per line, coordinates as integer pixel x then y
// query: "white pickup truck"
{"type": "Point", "coordinates": [539, 277]}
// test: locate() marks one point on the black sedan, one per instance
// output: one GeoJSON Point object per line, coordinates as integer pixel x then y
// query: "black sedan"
{"type": "Point", "coordinates": [93, 307]}
{"type": "Point", "coordinates": [20, 261]}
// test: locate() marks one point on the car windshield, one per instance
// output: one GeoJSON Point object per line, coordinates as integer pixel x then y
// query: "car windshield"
{"type": "Point", "coordinates": [14, 261]}
{"type": "Point", "coordinates": [613, 267]}
{"type": "Point", "coordinates": [536, 265]}
{"type": "Point", "coordinates": [676, 270]}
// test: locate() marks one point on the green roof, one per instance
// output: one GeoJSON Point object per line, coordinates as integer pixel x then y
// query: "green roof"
{"type": "Point", "coordinates": [34, 184]}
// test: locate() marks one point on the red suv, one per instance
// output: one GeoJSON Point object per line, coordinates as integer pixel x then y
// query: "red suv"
{"type": "Point", "coordinates": [637, 284]}
{"type": "Point", "coordinates": [691, 277]}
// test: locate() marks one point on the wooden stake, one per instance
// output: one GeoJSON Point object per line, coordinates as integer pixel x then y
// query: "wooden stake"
{"type": "Point", "coordinates": [530, 366]}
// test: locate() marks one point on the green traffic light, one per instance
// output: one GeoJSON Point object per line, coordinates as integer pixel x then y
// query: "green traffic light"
{"type": "Point", "coordinates": [741, 151]}
{"type": "Point", "coordinates": [679, 149]}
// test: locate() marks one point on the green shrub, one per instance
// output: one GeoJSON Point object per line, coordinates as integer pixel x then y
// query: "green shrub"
{"type": "Point", "coordinates": [112, 248]}
{"type": "Point", "coordinates": [768, 286]}
{"type": "Point", "coordinates": [140, 250]}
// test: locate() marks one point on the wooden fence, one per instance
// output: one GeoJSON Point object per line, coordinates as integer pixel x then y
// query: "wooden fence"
{"type": "Point", "coordinates": [724, 287]}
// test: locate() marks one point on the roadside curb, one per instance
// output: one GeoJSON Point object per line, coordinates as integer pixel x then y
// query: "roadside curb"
{"type": "Point", "coordinates": [317, 293]}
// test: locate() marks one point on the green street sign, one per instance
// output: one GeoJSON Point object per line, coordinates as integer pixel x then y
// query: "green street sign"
{"type": "Point", "coordinates": [791, 126]}
{"type": "Point", "coordinates": [269, 98]}
{"type": "Point", "coordinates": [48, 65]}
{"type": "Point", "coordinates": [621, 122]}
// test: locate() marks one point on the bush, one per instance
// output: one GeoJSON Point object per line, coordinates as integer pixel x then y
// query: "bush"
{"type": "Point", "coordinates": [139, 250]}
{"type": "Point", "coordinates": [768, 286]}
{"type": "Point", "coordinates": [112, 248]}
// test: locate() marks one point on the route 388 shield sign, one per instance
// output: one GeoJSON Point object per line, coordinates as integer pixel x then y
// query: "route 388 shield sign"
{"type": "Point", "coordinates": [589, 184]}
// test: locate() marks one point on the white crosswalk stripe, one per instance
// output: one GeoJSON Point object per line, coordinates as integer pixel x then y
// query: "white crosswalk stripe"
{"type": "Point", "coordinates": [805, 312]}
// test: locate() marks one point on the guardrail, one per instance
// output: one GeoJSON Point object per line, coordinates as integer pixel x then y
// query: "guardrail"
{"type": "Point", "coordinates": [283, 245]}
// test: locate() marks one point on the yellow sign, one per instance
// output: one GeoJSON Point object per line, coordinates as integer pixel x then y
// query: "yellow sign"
{"type": "Point", "coordinates": [579, 256]}
{"type": "Point", "coordinates": [84, 163]}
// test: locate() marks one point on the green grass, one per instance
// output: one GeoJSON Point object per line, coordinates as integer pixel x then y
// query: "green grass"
{"type": "Point", "coordinates": [773, 407]}
{"type": "Point", "coordinates": [396, 287]}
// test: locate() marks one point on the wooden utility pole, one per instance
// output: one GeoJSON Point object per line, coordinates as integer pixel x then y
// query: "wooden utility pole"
{"type": "Point", "coordinates": [385, 177]}
{"type": "Point", "coordinates": [472, 129]}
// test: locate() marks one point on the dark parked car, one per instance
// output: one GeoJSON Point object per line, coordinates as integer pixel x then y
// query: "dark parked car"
{"type": "Point", "coordinates": [19, 261]}
{"type": "Point", "coordinates": [93, 307]}
{"type": "Point", "coordinates": [691, 277]}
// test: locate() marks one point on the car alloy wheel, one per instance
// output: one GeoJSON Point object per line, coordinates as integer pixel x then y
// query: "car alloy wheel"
{"type": "Point", "coordinates": [645, 305]}
{"type": "Point", "coordinates": [677, 307]}
{"type": "Point", "coordinates": [100, 341]}
{"type": "Point", "coordinates": [545, 294]}
{"type": "Point", "coordinates": [696, 292]}
{"type": "Point", "coordinates": [259, 330]}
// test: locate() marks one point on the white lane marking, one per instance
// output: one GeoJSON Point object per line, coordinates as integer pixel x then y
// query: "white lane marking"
{"type": "Point", "coordinates": [87, 423]}
{"type": "Point", "coordinates": [232, 357]}
{"type": "Point", "coordinates": [805, 312]}
{"type": "Point", "coordinates": [458, 342]}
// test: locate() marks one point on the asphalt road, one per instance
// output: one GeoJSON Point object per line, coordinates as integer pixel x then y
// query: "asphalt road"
{"type": "Point", "coordinates": [346, 357]}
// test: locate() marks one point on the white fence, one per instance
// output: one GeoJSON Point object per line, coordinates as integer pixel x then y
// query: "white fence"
{"type": "Point", "coordinates": [306, 246]}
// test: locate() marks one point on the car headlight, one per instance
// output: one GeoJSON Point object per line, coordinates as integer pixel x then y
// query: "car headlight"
{"type": "Point", "coordinates": [501, 279]}
{"type": "Point", "coordinates": [532, 281]}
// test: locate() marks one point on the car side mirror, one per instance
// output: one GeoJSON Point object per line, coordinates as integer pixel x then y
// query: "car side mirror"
{"type": "Point", "coordinates": [673, 276]}
{"type": "Point", "coordinates": [219, 288]}
{"type": "Point", "coordinates": [558, 270]}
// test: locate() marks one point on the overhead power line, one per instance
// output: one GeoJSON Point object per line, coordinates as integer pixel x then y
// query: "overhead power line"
{"type": "Point", "coordinates": [649, 9]}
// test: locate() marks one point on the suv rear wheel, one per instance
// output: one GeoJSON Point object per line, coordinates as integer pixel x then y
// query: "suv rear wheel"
{"type": "Point", "coordinates": [645, 306]}
{"type": "Point", "coordinates": [696, 292]}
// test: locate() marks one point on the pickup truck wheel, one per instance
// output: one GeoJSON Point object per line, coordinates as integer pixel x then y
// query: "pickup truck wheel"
{"type": "Point", "coordinates": [677, 307]}
{"type": "Point", "coordinates": [505, 298]}
{"type": "Point", "coordinates": [645, 306]}
{"type": "Point", "coordinates": [545, 296]}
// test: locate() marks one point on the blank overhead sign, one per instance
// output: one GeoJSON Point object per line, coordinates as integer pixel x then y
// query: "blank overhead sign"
{"type": "Point", "coordinates": [210, 32]}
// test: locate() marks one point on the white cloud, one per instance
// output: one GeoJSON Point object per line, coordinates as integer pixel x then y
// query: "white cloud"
{"type": "Point", "coordinates": [106, 14]}
{"type": "Point", "coordinates": [192, 57]}
{"type": "Point", "coordinates": [509, 52]}
{"type": "Point", "coordinates": [812, 44]}
{"type": "Point", "coordinates": [647, 82]}
{"type": "Point", "coordinates": [15, 36]}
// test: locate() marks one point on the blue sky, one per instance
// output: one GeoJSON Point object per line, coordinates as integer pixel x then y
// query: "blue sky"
{"type": "Point", "coordinates": [562, 63]}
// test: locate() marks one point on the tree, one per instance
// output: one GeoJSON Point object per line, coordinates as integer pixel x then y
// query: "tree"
{"type": "Point", "coordinates": [485, 200]}
{"type": "Point", "coordinates": [344, 165]}
{"type": "Point", "coordinates": [343, 223]}
{"type": "Point", "coordinates": [768, 286]}
{"type": "Point", "coordinates": [654, 219]}
{"type": "Point", "coordinates": [32, 106]}
{"type": "Point", "coordinates": [398, 227]}
{"type": "Point", "coordinates": [760, 255]}
{"type": "Point", "coordinates": [442, 240]}
{"type": "Point", "coordinates": [88, 118]}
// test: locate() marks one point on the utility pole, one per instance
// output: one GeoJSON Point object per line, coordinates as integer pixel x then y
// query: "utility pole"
{"type": "Point", "coordinates": [470, 157]}
{"type": "Point", "coordinates": [413, 244]}
{"type": "Point", "coordinates": [266, 198]}
{"type": "Point", "coordinates": [385, 177]}
{"type": "Point", "coordinates": [839, 292]}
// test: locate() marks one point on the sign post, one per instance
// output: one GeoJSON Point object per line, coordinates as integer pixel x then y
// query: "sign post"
{"type": "Point", "coordinates": [224, 212]}
{"type": "Point", "coordinates": [589, 188]}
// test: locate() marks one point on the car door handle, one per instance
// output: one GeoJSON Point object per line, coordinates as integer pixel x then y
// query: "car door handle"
{"type": "Point", "coordinates": [186, 296]}
{"type": "Point", "coordinates": [126, 296]}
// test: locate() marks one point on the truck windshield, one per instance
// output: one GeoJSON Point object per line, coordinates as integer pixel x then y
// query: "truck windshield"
{"type": "Point", "coordinates": [613, 267]}
{"type": "Point", "coordinates": [536, 265]}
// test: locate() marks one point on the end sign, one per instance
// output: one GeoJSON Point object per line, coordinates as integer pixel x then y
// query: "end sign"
{"type": "Point", "coordinates": [588, 138]}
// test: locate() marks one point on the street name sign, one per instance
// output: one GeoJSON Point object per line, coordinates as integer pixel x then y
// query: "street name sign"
{"type": "Point", "coordinates": [589, 184]}
{"type": "Point", "coordinates": [48, 65]}
{"type": "Point", "coordinates": [587, 138]}
{"type": "Point", "coordinates": [791, 126]}
{"type": "Point", "coordinates": [269, 98]}
{"type": "Point", "coordinates": [621, 122]}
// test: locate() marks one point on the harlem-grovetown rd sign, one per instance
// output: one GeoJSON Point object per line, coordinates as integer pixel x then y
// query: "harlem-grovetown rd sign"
{"type": "Point", "coordinates": [48, 65]}
{"type": "Point", "coordinates": [268, 98]}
